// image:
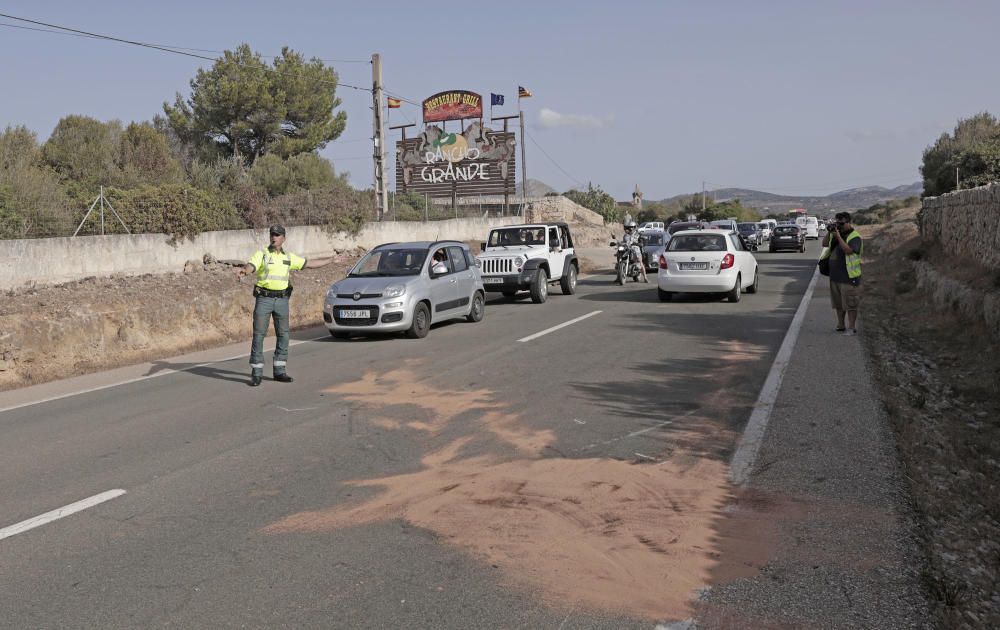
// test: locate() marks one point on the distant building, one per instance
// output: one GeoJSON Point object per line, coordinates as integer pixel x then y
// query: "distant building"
{"type": "Point", "coordinates": [637, 198]}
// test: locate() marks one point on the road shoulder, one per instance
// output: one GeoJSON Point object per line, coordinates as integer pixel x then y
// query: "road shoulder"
{"type": "Point", "coordinates": [825, 500]}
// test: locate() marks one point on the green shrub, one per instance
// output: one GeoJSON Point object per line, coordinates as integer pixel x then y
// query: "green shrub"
{"type": "Point", "coordinates": [178, 210]}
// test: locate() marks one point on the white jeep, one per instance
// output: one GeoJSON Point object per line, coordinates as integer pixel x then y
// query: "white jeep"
{"type": "Point", "coordinates": [529, 258]}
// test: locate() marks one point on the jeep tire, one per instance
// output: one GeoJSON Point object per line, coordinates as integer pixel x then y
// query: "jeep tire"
{"type": "Point", "coordinates": [539, 286]}
{"type": "Point", "coordinates": [568, 282]}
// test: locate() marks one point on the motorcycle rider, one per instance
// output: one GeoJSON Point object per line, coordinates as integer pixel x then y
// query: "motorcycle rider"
{"type": "Point", "coordinates": [631, 239]}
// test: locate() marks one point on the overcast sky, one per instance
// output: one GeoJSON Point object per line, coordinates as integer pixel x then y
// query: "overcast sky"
{"type": "Point", "coordinates": [793, 97]}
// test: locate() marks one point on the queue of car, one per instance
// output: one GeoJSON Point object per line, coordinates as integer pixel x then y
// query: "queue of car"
{"type": "Point", "coordinates": [405, 287]}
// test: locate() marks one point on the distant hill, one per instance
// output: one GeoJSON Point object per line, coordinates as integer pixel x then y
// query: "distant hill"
{"type": "Point", "coordinates": [851, 199]}
{"type": "Point", "coordinates": [537, 188]}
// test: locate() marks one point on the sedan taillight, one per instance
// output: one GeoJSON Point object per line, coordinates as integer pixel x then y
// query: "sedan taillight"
{"type": "Point", "coordinates": [727, 261]}
{"type": "Point", "coordinates": [663, 262]}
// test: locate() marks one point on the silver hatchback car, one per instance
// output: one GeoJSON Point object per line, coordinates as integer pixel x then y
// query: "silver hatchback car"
{"type": "Point", "coordinates": [401, 287]}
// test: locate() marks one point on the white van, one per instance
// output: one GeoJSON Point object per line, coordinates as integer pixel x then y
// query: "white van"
{"type": "Point", "coordinates": [809, 225]}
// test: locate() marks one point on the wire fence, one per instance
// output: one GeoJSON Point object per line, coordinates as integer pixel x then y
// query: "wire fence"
{"type": "Point", "coordinates": [309, 210]}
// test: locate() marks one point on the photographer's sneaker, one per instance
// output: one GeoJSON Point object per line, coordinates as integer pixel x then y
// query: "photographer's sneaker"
{"type": "Point", "coordinates": [851, 332]}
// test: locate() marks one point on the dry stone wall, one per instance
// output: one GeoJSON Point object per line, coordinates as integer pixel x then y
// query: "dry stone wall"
{"type": "Point", "coordinates": [965, 223]}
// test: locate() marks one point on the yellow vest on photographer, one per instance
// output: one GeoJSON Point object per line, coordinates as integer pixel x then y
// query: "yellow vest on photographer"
{"type": "Point", "coordinates": [853, 260]}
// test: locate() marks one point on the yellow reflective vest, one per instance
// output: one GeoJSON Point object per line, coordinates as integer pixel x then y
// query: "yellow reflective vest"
{"type": "Point", "coordinates": [272, 268]}
{"type": "Point", "coordinates": [853, 260]}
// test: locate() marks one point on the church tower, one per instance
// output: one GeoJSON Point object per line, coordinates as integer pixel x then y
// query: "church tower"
{"type": "Point", "coordinates": [637, 198]}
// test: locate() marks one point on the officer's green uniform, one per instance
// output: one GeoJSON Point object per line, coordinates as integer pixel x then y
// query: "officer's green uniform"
{"type": "Point", "coordinates": [272, 291]}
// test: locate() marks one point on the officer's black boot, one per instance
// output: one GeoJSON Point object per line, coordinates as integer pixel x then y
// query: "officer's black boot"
{"type": "Point", "coordinates": [282, 377]}
{"type": "Point", "coordinates": [256, 376]}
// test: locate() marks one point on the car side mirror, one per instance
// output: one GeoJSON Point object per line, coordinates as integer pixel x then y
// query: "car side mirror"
{"type": "Point", "coordinates": [439, 269]}
{"type": "Point", "coordinates": [482, 246]}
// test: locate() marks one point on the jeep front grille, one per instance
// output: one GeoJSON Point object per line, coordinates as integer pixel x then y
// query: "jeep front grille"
{"type": "Point", "coordinates": [495, 266]}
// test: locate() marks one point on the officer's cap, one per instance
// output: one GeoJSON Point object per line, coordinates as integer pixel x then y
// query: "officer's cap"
{"type": "Point", "coordinates": [277, 230]}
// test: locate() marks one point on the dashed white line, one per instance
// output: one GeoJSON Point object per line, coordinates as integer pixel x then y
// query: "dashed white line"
{"type": "Point", "coordinates": [753, 435]}
{"type": "Point", "coordinates": [62, 512]}
{"type": "Point", "coordinates": [562, 325]}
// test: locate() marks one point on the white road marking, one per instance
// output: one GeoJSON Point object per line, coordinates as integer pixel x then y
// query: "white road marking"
{"type": "Point", "coordinates": [302, 409]}
{"type": "Point", "coordinates": [562, 325]}
{"type": "Point", "coordinates": [753, 435]}
{"type": "Point", "coordinates": [55, 515]}
{"type": "Point", "coordinates": [145, 378]}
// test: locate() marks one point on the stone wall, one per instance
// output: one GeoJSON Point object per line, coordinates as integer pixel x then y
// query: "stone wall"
{"type": "Point", "coordinates": [47, 261]}
{"type": "Point", "coordinates": [965, 223]}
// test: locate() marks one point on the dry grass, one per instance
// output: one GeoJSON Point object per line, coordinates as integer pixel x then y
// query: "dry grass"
{"type": "Point", "coordinates": [939, 382]}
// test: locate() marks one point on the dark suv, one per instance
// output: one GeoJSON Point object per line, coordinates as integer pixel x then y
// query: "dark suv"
{"type": "Point", "coordinates": [751, 235]}
{"type": "Point", "coordinates": [787, 237]}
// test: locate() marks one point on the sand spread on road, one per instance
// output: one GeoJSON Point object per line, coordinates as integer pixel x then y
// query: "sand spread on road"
{"type": "Point", "coordinates": [589, 533]}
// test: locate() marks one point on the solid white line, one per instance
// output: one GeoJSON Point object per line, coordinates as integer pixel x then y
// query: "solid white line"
{"type": "Point", "coordinates": [753, 435]}
{"type": "Point", "coordinates": [55, 515]}
{"type": "Point", "coordinates": [562, 325]}
{"type": "Point", "coordinates": [145, 378]}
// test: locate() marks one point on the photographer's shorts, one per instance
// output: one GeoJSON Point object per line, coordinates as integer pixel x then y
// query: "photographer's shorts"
{"type": "Point", "coordinates": [845, 297]}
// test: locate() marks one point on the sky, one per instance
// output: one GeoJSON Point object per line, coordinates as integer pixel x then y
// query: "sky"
{"type": "Point", "coordinates": [791, 97]}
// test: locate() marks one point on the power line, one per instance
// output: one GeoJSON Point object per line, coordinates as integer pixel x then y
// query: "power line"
{"type": "Point", "coordinates": [171, 46]}
{"type": "Point", "coordinates": [533, 141]}
{"type": "Point", "coordinates": [146, 45]}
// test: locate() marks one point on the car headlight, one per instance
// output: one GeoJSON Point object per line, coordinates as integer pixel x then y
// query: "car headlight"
{"type": "Point", "coordinates": [518, 261]}
{"type": "Point", "coordinates": [395, 290]}
{"type": "Point", "coordinates": [332, 291]}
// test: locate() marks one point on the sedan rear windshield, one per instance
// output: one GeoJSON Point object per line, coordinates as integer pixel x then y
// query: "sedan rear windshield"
{"type": "Point", "coordinates": [654, 239]}
{"type": "Point", "coordinates": [677, 227]}
{"type": "Point", "coordinates": [787, 230]}
{"type": "Point", "coordinates": [747, 228]}
{"type": "Point", "coordinates": [698, 243]}
{"type": "Point", "coordinates": [390, 262]}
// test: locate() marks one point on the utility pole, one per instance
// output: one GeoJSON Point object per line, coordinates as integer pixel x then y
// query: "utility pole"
{"type": "Point", "coordinates": [524, 165]}
{"type": "Point", "coordinates": [703, 197]}
{"type": "Point", "coordinates": [958, 182]}
{"type": "Point", "coordinates": [381, 194]}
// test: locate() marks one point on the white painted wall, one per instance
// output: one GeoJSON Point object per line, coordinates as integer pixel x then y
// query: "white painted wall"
{"type": "Point", "coordinates": [56, 260]}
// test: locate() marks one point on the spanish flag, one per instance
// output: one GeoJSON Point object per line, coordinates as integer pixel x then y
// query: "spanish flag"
{"type": "Point", "coordinates": [394, 102]}
{"type": "Point", "coordinates": [522, 92]}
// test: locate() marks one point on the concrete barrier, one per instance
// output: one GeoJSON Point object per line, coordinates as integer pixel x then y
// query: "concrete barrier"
{"type": "Point", "coordinates": [47, 261]}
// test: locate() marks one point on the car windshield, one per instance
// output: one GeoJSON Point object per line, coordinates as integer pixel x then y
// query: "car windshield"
{"type": "Point", "coordinates": [762, 226]}
{"type": "Point", "coordinates": [654, 239]}
{"type": "Point", "coordinates": [747, 228]}
{"type": "Point", "coordinates": [697, 243]}
{"type": "Point", "coordinates": [511, 237]}
{"type": "Point", "coordinates": [390, 262]}
{"type": "Point", "coordinates": [786, 230]}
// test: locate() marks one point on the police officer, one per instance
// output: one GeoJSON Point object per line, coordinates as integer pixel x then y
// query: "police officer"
{"type": "Point", "coordinates": [272, 267]}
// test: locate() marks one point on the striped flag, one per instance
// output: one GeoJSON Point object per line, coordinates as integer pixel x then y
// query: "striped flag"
{"type": "Point", "coordinates": [394, 102]}
{"type": "Point", "coordinates": [522, 92]}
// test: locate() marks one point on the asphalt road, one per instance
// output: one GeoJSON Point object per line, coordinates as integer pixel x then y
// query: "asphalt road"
{"type": "Point", "coordinates": [256, 507]}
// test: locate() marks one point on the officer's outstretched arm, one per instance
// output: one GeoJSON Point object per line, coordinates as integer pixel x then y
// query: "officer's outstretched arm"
{"type": "Point", "coordinates": [312, 263]}
{"type": "Point", "coordinates": [244, 270]}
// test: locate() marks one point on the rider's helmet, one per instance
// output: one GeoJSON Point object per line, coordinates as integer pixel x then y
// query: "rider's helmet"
{"type": "Point", "coordinates": [629, 224]}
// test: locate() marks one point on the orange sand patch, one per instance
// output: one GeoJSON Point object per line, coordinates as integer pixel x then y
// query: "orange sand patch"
{"type": "Point", "coordinates": [591, 533]}
{"type": "Point", "coordinates": [440, 407]}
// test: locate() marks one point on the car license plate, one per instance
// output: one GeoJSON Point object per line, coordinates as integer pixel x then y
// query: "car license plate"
{"type": "Point", "coordinates": [693, 266]}
{"type": "Point", "coordinates": [785, 238]}
{"type": "Point", "coordinates": [492, 280]}
{"type": "Point", "coordinates": [354, 314]}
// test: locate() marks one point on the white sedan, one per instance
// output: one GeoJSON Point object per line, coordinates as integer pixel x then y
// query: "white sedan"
{"type": "Point", "coordinates": [706, 261]}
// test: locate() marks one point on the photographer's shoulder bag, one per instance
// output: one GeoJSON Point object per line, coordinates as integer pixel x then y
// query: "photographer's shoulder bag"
{"type": "Point", "coordinates": [824, 262]}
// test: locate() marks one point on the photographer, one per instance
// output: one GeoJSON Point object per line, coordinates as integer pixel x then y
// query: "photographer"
{"type": "Point", "coordinates": [843, 246]}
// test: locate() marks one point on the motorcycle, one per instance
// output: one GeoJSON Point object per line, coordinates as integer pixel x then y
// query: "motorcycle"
{"type": "Point", "coordinates": [626, 263]}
